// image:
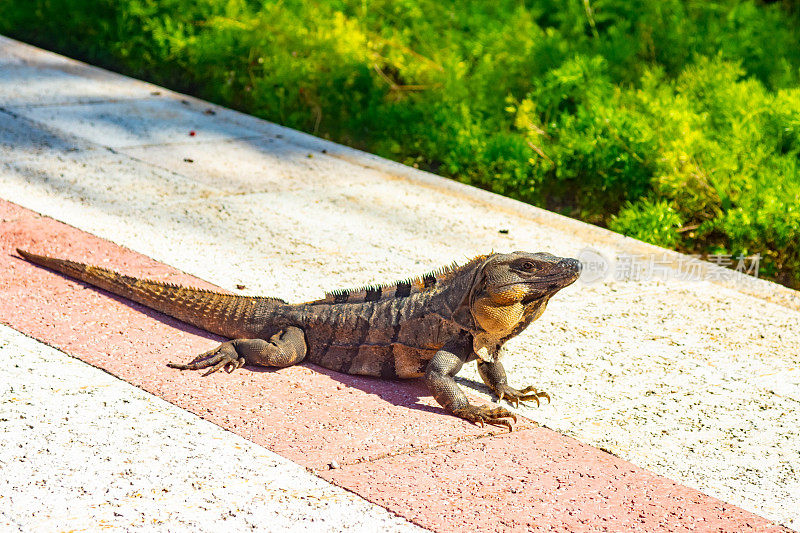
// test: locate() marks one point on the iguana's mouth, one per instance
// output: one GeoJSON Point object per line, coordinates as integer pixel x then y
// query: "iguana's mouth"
{"type": "Point", "coordinates": [547, 283]}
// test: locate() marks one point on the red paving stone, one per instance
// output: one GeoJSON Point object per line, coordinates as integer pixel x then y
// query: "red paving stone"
{"type": "Point", "coordinates": [394, 445]}
{"type": "Point", "coordinates": [536, 479]}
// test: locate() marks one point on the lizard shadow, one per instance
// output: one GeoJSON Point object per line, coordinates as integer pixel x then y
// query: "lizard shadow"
{"type": "Point", "coordinates": [410, 393]}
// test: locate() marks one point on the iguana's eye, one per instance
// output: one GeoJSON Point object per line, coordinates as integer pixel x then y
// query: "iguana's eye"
{"type": "Point", "coordinates": [527, 265]}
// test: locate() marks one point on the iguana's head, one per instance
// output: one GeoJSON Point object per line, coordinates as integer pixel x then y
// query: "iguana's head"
{"type": "Point", "coordinates": [512, 290]}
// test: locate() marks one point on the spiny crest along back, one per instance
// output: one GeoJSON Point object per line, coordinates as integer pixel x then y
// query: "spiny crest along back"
{"type": "Point", "coordinates": [399, 289]}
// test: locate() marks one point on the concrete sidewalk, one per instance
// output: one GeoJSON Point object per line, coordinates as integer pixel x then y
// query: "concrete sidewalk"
{"type": "Point", "coordinates": [697, 381]}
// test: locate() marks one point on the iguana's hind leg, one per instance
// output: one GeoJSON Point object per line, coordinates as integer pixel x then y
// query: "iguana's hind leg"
{"type": "Point", "coordinates": [439, 376]}
{"type": "Point", "coordinates": [285, 348]}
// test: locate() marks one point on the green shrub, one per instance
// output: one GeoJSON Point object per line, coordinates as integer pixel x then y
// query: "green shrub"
{"type": "Point", "coordinates": [649, 221]}
{"type": "Point", "coordinates": [676, 122]}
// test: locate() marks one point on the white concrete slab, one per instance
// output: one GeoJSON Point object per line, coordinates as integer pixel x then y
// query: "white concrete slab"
{"type": "Point", "coordinates": [77, 82]}
{"type": "Point", "coordinates": [147, 122]}
{"type": "Point", "coordinates": [259, 164]}
{"type": "Point", "coordinates": [82, 450]}
{"type": "Point", "coordinates": [695, 380]}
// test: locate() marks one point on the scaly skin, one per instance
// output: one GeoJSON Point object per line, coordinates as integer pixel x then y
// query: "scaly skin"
{"type": "Point", "coordinates": [423, 327]}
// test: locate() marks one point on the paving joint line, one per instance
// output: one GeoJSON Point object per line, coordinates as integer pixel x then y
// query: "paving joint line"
{"type": "Point", "coordinates": [8, 112]}
{"type": "Point", "coordinates": [231, 139]}
{"type": "Point", "coordinates": [421, 449]}
{"type": "Point", "coordinates": [105, 371]}
{"type": "Point", "coordinates": [94, 101]}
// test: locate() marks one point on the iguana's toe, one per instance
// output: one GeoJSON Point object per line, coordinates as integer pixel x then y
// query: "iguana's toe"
{"type": "Point", "coordinates": [223, 356]}
{"type": "Point", "coordinates": [514, 396]}
{"type": "Point", "coordinates": [230, 366]}
{"type": "Point", "coordinates": [486, 414]}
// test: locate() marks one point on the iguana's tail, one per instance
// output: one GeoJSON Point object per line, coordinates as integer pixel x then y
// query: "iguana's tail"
{"type": "Point", "coordinates": [225, 314]}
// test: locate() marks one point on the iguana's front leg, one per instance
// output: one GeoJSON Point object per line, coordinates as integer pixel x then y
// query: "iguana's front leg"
{"type": "Point", "coordinates": [439, 376]}
{"type": "Point", "coordinates": [285, 348]}
{"type": "Point", "coordinates": [494, 375]}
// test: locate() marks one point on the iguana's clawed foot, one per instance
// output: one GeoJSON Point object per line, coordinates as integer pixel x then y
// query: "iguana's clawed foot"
{"type": "Point", "coordinates": [486, 414]}
{"type": "Point", "coordinates": [223, 356]}
{"type": "Point", "coordinates": [514, 396]}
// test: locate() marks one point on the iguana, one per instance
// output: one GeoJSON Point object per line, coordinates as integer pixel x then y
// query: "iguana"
{"type": "Point", "coordinates": [426, 326]}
